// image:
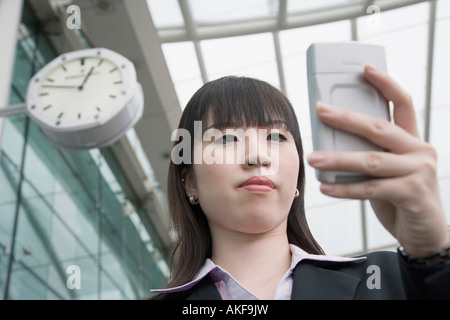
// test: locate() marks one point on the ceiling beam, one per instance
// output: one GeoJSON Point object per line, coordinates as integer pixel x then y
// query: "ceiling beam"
{"type": "Point", "coordinates": [206, 31]}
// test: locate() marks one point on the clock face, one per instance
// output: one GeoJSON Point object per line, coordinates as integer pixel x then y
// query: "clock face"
{"type": "Point", "coordinates": [79, 90]}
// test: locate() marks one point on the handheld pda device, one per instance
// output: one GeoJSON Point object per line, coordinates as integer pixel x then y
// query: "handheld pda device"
{"type": "Point", "coordinates": [336, 76]}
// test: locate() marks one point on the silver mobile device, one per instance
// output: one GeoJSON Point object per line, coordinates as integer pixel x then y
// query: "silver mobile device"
{"type": "Point", "coordinates": [336, 77]}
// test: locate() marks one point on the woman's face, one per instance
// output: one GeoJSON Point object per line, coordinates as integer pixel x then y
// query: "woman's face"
{"type": "Point", "coordinates": [246, 179]}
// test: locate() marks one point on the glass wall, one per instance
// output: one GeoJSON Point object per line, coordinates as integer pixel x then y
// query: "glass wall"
{"type": "Point", "coordinates": [66, 227]}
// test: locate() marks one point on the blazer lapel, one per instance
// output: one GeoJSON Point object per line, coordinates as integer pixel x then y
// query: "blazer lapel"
{"type": "Point", "coordinates": [205, 290]}
{"type": "Point", "coordinates": [314, 282]}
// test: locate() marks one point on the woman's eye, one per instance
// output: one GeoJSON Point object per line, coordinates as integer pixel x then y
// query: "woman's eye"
{"type": "Point", "coordinates": [276, 136]}
{"type": "Point", "coordinates": [227, 138]}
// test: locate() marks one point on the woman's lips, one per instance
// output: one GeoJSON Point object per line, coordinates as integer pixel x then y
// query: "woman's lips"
{"type": "Point", "coordinates": [261, 184]}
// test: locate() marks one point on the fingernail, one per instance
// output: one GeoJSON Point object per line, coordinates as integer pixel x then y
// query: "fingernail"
{"type": "Point", "coordinates": [316, 157]}
{"type": "Point", "coordinates": [326, 187]}
{"type": "Point", "coordinates": [323, 107]}
{"type": "Point", "coordinates": [370, 68]}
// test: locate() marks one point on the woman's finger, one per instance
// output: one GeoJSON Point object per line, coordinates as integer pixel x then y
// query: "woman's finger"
{"type": "Point", "coordinates": [372, 163]}
{"type": "Point", "coordinates": [404, 115]}
{"type": "Point", "coordinates": [370, 189]}
{"type": "Point", "coordinates": [381, 132]}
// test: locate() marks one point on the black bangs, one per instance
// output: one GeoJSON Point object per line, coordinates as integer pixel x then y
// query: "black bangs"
{"type": "Point", "coordinates": [241, 102]}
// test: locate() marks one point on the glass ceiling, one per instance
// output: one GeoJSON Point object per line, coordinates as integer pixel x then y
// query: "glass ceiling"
{"type": "Point", "coordinates": [267, 39]}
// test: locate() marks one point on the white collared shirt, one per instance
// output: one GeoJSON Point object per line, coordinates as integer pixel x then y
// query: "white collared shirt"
{"type": "Point", "coordinates": [230, 289]}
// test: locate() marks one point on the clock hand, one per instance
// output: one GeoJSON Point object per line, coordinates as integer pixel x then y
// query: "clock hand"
{"type": "Point", "coordinates": [56, 86]}
{"type": "Point", "coordinates": [85, 79]}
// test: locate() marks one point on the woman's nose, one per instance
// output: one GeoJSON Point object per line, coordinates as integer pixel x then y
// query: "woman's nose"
{"type": "Point", "coordinates": [256, 152]}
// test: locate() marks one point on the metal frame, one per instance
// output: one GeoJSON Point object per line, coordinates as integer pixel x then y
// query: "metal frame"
{"type": "Point", "coordinates": [10, 14]}
{"type": "Point", "coordinates": [430, 58]}
{"type": "Point", "coordinates": [192, 31]}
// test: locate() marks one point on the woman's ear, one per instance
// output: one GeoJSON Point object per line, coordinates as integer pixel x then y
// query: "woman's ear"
{"type": "Point", "coordinates": [187, 176]}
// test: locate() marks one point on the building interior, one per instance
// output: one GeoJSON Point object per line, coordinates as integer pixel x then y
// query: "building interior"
{"type": "Point", "coordinates": [105, 209]}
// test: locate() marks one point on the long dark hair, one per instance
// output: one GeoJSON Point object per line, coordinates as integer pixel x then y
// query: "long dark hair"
{"type": "Point", "coordinates": [230, 102]}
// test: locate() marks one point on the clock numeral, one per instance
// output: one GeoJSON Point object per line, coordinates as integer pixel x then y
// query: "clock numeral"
{"type": "Point", "coordinates": [82, 61]}
{"type": "Point", "coordinates": [64, 68]}
{"type": "Point", "coordinates": [112, 96]}
{"type": "Point", "coordinates": [47, 107]}
{"type": "Point", "coordinates": [98, 109]}
{"type": "Point", "coordinates": [112, 70]}
{"type": "Point", "coordinates": [60, 115]}
{"type": "Point", "coordinates": [100, 62]}
{"type": "Point", "coordinates": [50, 80]}
{"type": "Point", "coordinates": [118, 82]}
{"type": "Point", "coordinates": [79, 115]}
{"type": "Point", "coordinates": [43, 94]}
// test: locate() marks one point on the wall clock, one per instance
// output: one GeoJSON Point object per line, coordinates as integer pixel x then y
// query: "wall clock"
{"type": "Point", "coordinates": [85, 99]}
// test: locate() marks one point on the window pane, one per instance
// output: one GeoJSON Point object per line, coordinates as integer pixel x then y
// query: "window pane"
{"type": "Point", "coordinates": [441, 62]}
{"type": "Point", "coordinates": [377, 235]}
{"type": "Point", "coordinates": [441, 101]}
{"type": "Point", "coordinates": [337, 228]}
{"type": "Point", "coordinates": [183, 69]}
{"type": "Point", "coordinates": [165, 13]}
{"type": "Point", "coordinates": [404, 34]}
{"type": "Point", "coordinates": [439, 139]}
{"type": "Point", "coordinates": [441, 94]}
{"type": "Point", "coordinates": [231, 10]}
{"type": "Point", "coordinates": [305, 5]}
{"type": "Point", "coordinates": [294, 44]}
{"type": "Point", "coordinates": [443, 9]}
{"type": "Point", "coordinates": [252, 56]}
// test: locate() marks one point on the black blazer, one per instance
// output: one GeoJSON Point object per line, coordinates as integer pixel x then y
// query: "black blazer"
{"type": "Point", "coordinates": [384, 275]}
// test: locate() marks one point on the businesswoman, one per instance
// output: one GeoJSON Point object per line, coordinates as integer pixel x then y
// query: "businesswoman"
{"type": "Point", "coordinates": [236, 198]}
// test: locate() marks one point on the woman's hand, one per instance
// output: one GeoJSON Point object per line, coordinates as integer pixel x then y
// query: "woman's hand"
{"type": "Point", "coordinates": [405, 194]}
